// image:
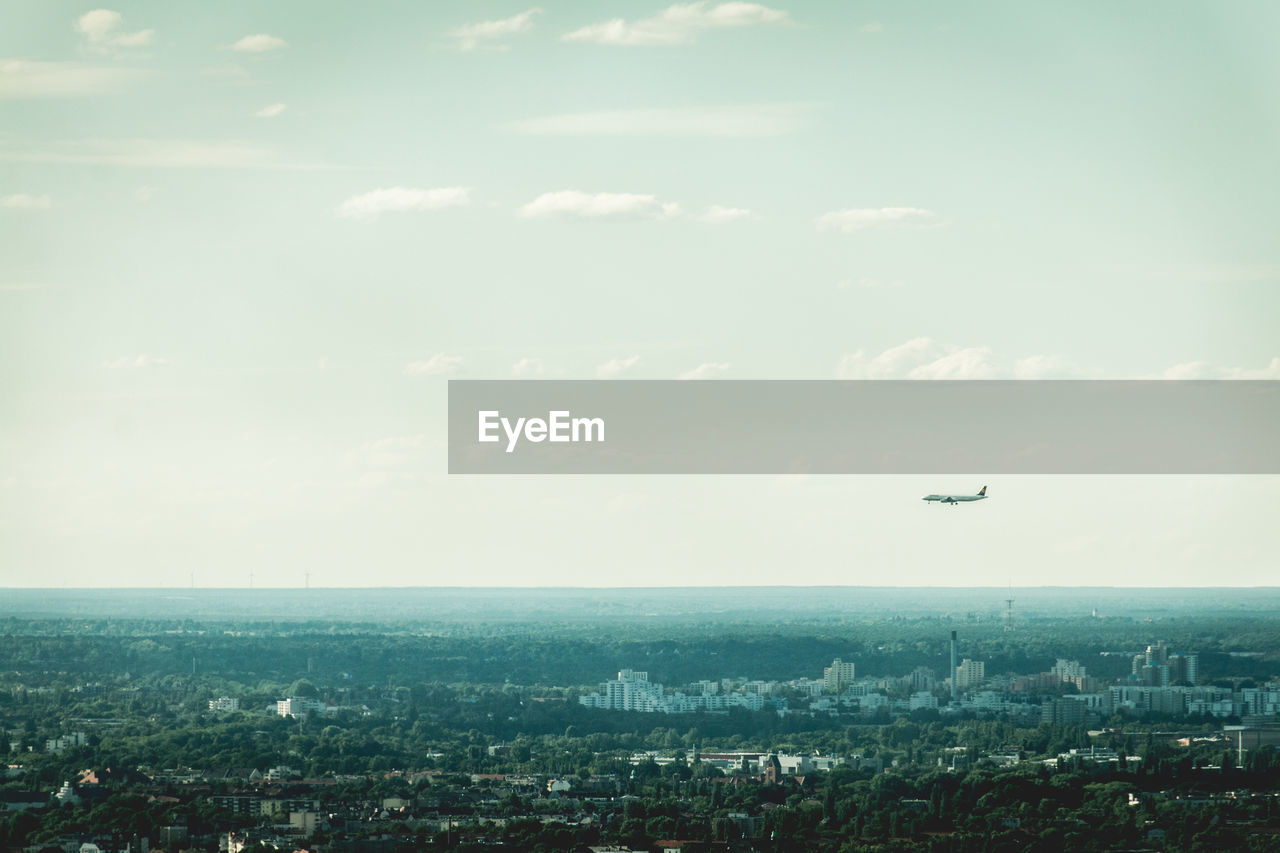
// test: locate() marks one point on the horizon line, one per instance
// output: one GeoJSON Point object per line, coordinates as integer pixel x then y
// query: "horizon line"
{"type": "Point", "coordinates": [617, 588]}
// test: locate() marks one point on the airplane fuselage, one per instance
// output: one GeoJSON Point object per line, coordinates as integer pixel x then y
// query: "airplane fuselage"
{"type": "Point", "coordinates": [955, 499]}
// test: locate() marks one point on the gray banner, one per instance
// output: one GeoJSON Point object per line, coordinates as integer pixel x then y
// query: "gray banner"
{"type": "Point", "coordinates": [864, 427]}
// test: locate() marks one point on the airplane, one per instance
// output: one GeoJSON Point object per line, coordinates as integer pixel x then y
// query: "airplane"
{"type": "Point", "coordinates": [955, 499]}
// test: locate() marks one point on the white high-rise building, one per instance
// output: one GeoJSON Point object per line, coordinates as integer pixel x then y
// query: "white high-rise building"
{"type": "Point", "coordinates": [632, 691]}
{"type": "Point", "coordinates": [1068, 670]}
{"type": "Point", "coordinates": [837, 676]}
{"type": "Point", "coordinates": [970, 673]}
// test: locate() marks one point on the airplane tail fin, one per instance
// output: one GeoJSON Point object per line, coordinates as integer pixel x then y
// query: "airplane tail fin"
{"type": "Point", "coordinates": [983, 492]}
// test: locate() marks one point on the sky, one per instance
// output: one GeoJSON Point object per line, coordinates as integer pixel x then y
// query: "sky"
{"type": "Point", "coordinates": [243, 247]}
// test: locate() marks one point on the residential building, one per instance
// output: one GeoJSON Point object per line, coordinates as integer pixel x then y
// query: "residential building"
{"type": "Point", "coordinates": [922, 700]}
{"type": "Point", "coordinates": [58, 744]}
{"type": "Point", "coordinates": [922, 678]}
{"type": "Point", "coordinates": [1184, 668]}
{"type": "Point", "coordinates": [298, 706]}
{"type": "Point", "coordinates": [970, 673]}
{"type": "Point", "coordinates": [630, 691]}
{"type": "Point", "coordinates": [1068, 670]}
{"type": "Point", "coordinates": [1064, 711]}
{"type": "Point", "coordinates": [837, 676]}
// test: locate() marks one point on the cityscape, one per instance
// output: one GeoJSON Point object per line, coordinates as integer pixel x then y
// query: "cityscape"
{"type": "Point", "coordinates": [661, 426]}
{"type": "Point", "coordinates": [931, 729]}
{"type": "Point", "coordinates": [1160, 681]}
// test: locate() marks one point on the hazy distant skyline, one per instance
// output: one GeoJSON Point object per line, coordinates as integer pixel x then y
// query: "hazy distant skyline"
{"type": "Point", "coordinates": [242, 246]}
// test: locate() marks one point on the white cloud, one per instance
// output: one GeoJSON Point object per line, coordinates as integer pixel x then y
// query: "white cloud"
{"type": "Point", "coordinates": [719, 122]}
{"type": "Point", "coordinates": [528, 367]}
{"type": "Point", "coordinates": [149, 153]}
{"type": "Point", "coordinates": [1043, 367]}
{"type": "Point", "coordinates": [1271, 371]}
{"type": "Point", "coordinates": [678, 24]}
{"type": "Point", "coordinates": [572, 203]}
{"type": "Point", "coordinates": [471, 36]}
{"type": "Point", "coordinates": [270, 111]}
{"type": "Point", "coordinates": [892, 363]}
{"type": "Point", "coordinates": [143, 195]}
{"type": "Point", "coordinates": [615, 367]}
{"type": "Point", "coordinates": [259, 43]}
{"type": "Point", "coordinates": [856, 219]}
{"type": "Point", "coordinates": [717, 214]}
{"type": "Point", "coordinates": [102, 28]}
{"type": "Point", "coordinates": [402, 199]}
{"type": "Point", "coordinates": [968, 363]}
{"type": "Point", "coordinates": [23, 201]}
{"type": "Point", "coordinates": [919, 358]}
{"type": "Point", "coordinates": [440, 364]}
{"type": "Point", "coordinates": [705, 371]}
{"type": "Point", "coordinates": [925, 358]}
{"type": "Point", "coordinates": [1205, 370]}
{"type": "Point", "coordinates": [871, 28]}
{"type": "Point", "coordinates": [1187, 370]}
{"type": "Point", "coordinates": [22, 78]}
{"type": "Point", "coordinates": [135, 362]}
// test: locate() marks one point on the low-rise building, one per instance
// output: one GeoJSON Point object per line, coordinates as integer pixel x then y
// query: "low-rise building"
{"type": "Point", "coordinates": [21, 801]}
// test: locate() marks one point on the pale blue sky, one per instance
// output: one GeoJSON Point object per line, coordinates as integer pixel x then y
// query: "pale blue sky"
{"type": "Point", "coordinates": [242, 246]}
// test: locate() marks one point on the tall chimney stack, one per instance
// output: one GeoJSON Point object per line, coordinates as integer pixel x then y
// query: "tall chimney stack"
{"type": "Point", "coordinates": [953, 666]}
